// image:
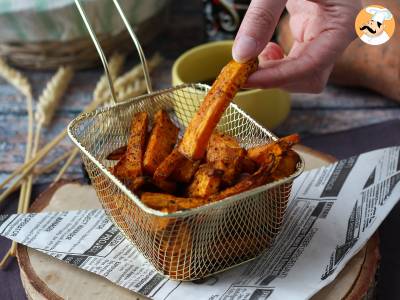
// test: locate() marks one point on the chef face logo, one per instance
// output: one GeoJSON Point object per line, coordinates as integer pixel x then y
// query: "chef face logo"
{"type": "Point", "coordinates": [375, 25]}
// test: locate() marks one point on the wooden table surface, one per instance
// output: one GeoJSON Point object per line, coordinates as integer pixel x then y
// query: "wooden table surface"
{"type": "Point", "coordinates": [335, 109]}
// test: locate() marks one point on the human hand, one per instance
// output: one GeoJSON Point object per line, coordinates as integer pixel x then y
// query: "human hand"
{"type": "Point", "coordinates": [322, 29]}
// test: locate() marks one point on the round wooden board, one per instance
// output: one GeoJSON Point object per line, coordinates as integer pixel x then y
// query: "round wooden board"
{"type": "Point", "coordinates": [45, 277]}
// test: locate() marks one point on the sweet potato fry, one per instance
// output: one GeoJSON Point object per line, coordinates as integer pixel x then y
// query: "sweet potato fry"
{"type": "Point", "coordinates": [206, 182]}
{"type": "Point", "coordinates": [247, 245]}
{"type": "Point", "coordinates": [218, 141]}
{"type": "Point", "coordinates": [247, 165]}
{"type": "Point", "coordinates": [175, 250]}
{"type": "Point", "coordinates": [136, 183]}
{"type": "Point", "coordinates": [159, 201]}
{"type": "Point", "coordinates": [260, 177]}
{"type": "Point", "coordinates": [168, 165]}
{"type": "Point", "coordinates": [176, 166]}
{"type": "Point", "coordinates": [170, 203]}
{"type": "Point", "coordinates": [133, 217]}
{"type": "Point", "coordinates": [161, 141]}
{"type": "Point", "coordinates": [225, 154]}
{"type": "Point", "coordinates": [286, 166]}
{"type": "Point", "coordinates": [131, 164]}
{"type": "Point", "coordinates": [117, 153]}
{"type": "Point", "coordinates": [186, 170]}
{"type": "Point", "coordinates": [261, 153]}
{"type": "Point", "coordinates": [165, 185]}
{"type": "Point", "coordinates": [200, 128]}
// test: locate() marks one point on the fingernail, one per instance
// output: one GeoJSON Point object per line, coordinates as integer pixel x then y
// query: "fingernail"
{"type": "Point", "coordinates": [244, 48]}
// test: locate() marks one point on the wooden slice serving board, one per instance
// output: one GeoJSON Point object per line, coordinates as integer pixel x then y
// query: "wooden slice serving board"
{"type": "Point", "coordinates": [45, 277]}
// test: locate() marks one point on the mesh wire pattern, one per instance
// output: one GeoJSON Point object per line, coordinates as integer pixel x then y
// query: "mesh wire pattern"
{"type": "Point", "coordinates": [191, 244]}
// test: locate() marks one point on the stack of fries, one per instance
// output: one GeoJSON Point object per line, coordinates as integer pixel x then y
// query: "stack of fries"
{"type": "Point", "coordinates": [180, 175]}
{"type": "Point", "coordinates": [152, 167]}
{"type": "Point", "coordinates": [205, 166]}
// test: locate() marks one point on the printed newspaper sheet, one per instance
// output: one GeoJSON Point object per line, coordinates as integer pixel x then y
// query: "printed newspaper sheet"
{"type": "Point", "coordinates": [332, 213]}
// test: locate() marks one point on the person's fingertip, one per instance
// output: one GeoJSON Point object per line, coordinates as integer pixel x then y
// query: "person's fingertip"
{"type": "Point", "coordinates": [273, 51]}
{"type": "Point", "coordinates": [244, 48]}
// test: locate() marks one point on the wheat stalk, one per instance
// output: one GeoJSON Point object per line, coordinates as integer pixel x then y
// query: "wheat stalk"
{"type": "Point", "coordinates": [47, 168]}
{"type": "Point", "coordinates": [20, 82]}
{"type": "Point", "coordinates": [25, 169]}
{"type": "Point", "coordinates": [51, 95]}
{"type": "Point", "coordinates": [52, 165]}
{"type": "Point", "coordinates": [99, 98]}
{"type": "Point", "coordinates": [136, 72]}
{"type": "Point", "coordinates": [114, 67]}
{"type": "Point", "coordinates": [133, 90]}
{"type": "Point", "coordinates": [48, 102]}
{"type": "Point", "coordinates": [28, 167]}
{"type": "Point", "coordinates": [129, 85]}
{"type": "Point", "coordinates": [46, 107]}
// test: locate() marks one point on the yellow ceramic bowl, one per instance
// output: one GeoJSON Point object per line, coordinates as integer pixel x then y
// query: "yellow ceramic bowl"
{"type": "Point", "coordinates": [268, 107]}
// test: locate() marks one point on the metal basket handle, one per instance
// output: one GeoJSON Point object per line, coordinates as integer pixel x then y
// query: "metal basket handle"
{"type": "Point", "coordinates": [101, 53]}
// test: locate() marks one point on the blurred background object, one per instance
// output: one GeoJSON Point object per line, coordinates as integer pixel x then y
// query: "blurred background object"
{"type": "Point", "coordinates": [223, 18]}
{"type": "Point", "coordinates": [361, 65]}
{"type": "Point", "coordinates": [47, 34]}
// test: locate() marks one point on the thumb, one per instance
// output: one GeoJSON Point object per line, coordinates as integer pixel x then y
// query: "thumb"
{"type": "Point", "coordinates": [257, 28]}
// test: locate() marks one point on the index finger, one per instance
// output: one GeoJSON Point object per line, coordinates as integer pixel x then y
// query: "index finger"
{"type": "Point", "coordinates": [305, 60]}
{"type": "Point", "coordinates": [257, 28]}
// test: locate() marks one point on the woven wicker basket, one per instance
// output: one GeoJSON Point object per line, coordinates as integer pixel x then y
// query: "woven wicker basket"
{"type": "Point", "coordinates": [78, 53]}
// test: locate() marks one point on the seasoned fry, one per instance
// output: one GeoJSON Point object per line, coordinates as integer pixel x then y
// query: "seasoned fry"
{"type": "Point", "coordinates": [225, 154]}
{"type": "Point", "coordinates": [207, 181]}
{"type": "Point", "coordinates": [286, 166]}
{"type": "Point", "coordinates": [169, 164]}
{"type": "Point", "coordinates": [217, 142]}
{"type": "Point", "coordinates": [186, 170]}
{"type": "Point", "coordinates": [159, 201]}
{"type": "Point", "coordinates": [175, 249]}
{"type": "Point", "coordinates": [258, 178]}
{"type": "Point", "coordinates": [165, 169]}
{"type": "Point", "coordinates": [133, 213]}
{"type": "Point", "coordinates": [225, 163]}
{"type": "Point", "coordinates": [246, 246]}
{"type": "Point", "coordinates": [131, 164]}
{"type": "Point", "coordinates": [247, 165]}
{"type": "Point", "coordinates": [225, 87]}
{"type": "Point", "coordinates": [165, 185]}
{"type": "Point", "coordinates": [170, 203]}
{"type": "Point", "coordinates": [136, 183]}
{"type": "Point", "coordinates": [117, 153]}
{"type": "Point", "coordinates": [161, 141]}
{"type": "Point", "coordinates": [261, 153]}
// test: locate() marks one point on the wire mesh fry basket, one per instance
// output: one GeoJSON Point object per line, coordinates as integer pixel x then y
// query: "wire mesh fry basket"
{"type": "Point", "coordinates": [191, 244]}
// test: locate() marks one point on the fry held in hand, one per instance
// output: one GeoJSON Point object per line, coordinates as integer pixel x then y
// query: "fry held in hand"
{"type": "Point", "coordinates": [232, 77]}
